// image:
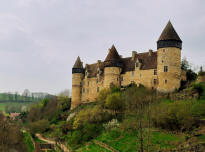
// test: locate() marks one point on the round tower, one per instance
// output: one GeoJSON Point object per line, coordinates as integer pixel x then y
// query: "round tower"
{"type": "Point", "coordinates": [169, 47]}
{"type": "Point", "coordinates": [112, 68]}
{"type": "Point", "coordinates": [77, 77]}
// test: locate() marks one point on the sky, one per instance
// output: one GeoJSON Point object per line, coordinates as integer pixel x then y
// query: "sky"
{"type": "Point", "coordinates": [41, 39]}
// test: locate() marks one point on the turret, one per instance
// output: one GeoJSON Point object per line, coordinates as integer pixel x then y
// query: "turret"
{"type": "Point", "coordinates": [77, 77]}
{"type": "Point", "coordinates": [169, 47]}
{"type": "Point", "coordinates": [113, 67]}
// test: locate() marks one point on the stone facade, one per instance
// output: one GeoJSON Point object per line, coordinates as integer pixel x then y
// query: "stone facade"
{"type": "Point", "coordinates": [160, 70]}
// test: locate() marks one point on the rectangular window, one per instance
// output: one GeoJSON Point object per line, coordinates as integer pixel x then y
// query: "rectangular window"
{"type": "Point", "coordinates": [87, 90]}
{"type": "Point", "coordinates": [165, 81]}
{"type": "Point", "coordinates": [155, 71]}
{"type": "Point", "coordinates": [98, 89]}
{"type": "Point", "coordinates": [121, 78]}
{"type": "Point", "coordinates": [155, 81]}
{"type": "Point", "coordinates": [83, 90]}
{"type": "Point", "coordinates": [133, 73]}
{"type": "Point", "coordinates": [88, 83]}
{"type": "Point", "coordinates": [96, 80]}
{"type": "Point", "coordinates": [165, 68]}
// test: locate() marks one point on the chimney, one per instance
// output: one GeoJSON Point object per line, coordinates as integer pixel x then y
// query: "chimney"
{"type": "Point", "coordinates": [134, 53]}
{"type": "Point", "coordinates": [150, 52]}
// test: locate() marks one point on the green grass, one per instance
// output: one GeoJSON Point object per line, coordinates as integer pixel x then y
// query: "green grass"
{"type": "Point", "coordinates": [202, 137]}
{"type": "Point", "coordinates": [28, 142]}
{"type": "Point", "coordinates": [126, 142]}
{"type": "Point", "coordinates": [38, 140]}
{"type": "Point", "coordinates": [92, 147]}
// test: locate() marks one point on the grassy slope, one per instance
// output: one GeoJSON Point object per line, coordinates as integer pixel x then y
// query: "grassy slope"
{"type": "Point", "coordinates": [28, 142]}
{"type": "Point", "coordinates": [91, 147]}
{"type": "Point", "coordinates": [126, 142]}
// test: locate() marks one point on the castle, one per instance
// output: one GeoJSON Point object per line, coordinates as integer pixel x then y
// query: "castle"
{"type": "Point", "coordinates": [160, 70]}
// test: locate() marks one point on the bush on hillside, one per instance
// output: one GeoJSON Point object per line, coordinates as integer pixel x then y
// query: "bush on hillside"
{"type": "Point", "coordinates": [114, 102]}
{"type": "Point", "coordinates": [136, 98]}
{"type": "Point", "coordinates": [200, 88]}
{"type": "Point", "coordinates": [67, 126]}
{"type": "Point", "coordinates": [102, 97]}
{"type": "Point", "coordinates": [92, 115]}
{"type": "Point", "coordinates": [39, 126]}
{"type": "Point", "coordinates": [198, 109]}
{"type": "Point", "coordinates": [11, 136]}
{"type": "Point", "coordinates": [129, 124]}
{"type": "Point", "coordinates": [174, 116]}
{"type": "Point", "coordinates": [76, 137]}
{"type": "Point", "coordinates": [90, 131]}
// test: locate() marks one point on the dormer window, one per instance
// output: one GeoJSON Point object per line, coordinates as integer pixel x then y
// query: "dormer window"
{"type": "Point", "coordinates": [86, 73]}
{"type": "Point", "coordinates": [137, 64]}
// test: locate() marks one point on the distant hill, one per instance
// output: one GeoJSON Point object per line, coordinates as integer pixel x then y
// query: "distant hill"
{"type": "Point", "coordinates": [14, 97]}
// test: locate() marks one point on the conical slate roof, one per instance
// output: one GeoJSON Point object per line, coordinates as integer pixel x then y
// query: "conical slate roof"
{"type": "Point", "coordinates": [112, 55]}
{"type": "Point", "coordinates": [169, 33]}
{"type": "Point", "coordinates": [78, 64]}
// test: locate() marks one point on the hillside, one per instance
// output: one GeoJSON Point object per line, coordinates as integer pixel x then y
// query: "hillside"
{"type": "Point", "coordinates": [128, 120]}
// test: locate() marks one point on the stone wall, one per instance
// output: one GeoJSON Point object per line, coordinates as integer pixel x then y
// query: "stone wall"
{"type": "Point", "coordinates": [91, 88]}
{"type": "Point", "coordinates": [111, 76]}
{"type": "Point", "coordinates": [170, 80]}
{"type": "Point", "coordinates": [76, 89]}
{"type": "Point", "coordinates": [144, 77]}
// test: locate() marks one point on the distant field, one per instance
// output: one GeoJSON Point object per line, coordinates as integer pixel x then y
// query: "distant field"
{"type": "Point", "coordinates": [3, 105]}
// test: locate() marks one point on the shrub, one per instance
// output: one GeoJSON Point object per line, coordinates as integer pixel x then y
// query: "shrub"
{"type": "Point", "coordinates": [76, 137]}
{"type": "Point", "coordinates": [114, 102]}
{"type": "Point", "coordinates": [67, 126]}
{"type": "Point", "coordinates": [129, 124]}
{"type": "Point", "coordinates": [90, 131]}
{"type": "Point", "coordinates": [92, 115]}
{"type": "Point", "coordinates": [39, 126]}
{"type": "Point", "coordinates": [173, 116]}
{"type": "Point", "coordinates": [200, 88]}
{"type": "Point", "coordinates": [198, 109]}
{"type": "Point", "coordinates": [137, 97]}
{"type": "Point", "coordinates": [102, 96]}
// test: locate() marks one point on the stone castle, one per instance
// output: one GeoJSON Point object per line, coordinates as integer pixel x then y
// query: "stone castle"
{"type": "Point", "coordinates": [160, 70]}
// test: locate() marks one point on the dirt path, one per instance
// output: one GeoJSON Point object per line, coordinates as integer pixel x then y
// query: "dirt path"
{"type": "Point", "coordinates": [62, 146]}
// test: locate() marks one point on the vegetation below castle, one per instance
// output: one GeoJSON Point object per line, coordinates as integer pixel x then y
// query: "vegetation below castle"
{"type": "Point", "coordinates": [126, 120]}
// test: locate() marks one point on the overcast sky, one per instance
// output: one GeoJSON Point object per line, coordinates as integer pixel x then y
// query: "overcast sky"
{"type": "Point", "coordinates": [41, 39]}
